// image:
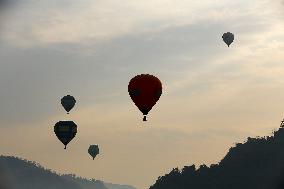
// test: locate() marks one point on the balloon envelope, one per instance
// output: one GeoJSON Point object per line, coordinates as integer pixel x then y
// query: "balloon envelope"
{"type": "Point", "coordinates": [228, 38]}
{"type": "Point", "coordinates": [93, 150]}
{"type": "Point", "coordinates": [68, 102]}
{"type": "Point", "coordinates": [145, 90]}
{"type": "Point", "coordinates": [65, 131]}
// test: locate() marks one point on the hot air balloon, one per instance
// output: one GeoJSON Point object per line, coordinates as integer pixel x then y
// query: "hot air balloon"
{"type": "Point", "coordinates": [228, 38]}
{"type": "Point", "coordinates": [145, 90]}
{"type": "Point", "coordinates": [65, 131]}
{"type": "Point", "coordinates": [68, 102]}
{"type": "Point", "coordinates": [93, 151]}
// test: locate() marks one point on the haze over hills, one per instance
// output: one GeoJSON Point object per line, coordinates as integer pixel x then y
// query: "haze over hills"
{"type": "Point", "coordinates": [117, 186]}
{"type": "Point", "coordinates": [256, 164]}
{"type": "Point", "coordinates": [16, 173]}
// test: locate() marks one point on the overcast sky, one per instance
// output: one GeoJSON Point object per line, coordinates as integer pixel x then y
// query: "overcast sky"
{"type": "Point", "coordinates": [213, 96]}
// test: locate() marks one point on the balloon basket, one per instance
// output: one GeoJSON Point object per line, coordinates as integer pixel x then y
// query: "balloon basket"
{"type": "Point", "coordinates": [144, 118]}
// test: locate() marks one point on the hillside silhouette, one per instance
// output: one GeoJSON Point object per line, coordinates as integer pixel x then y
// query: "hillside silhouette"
{"type": "Point", "coordinates": [256, 164]}
{"type": "Point", "coordinates": [16, 173]}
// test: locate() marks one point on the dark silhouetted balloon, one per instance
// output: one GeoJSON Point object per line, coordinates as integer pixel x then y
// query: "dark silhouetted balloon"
{"type": "Point", "coordinates": [65, 131]}
{"type": "Point", "coordinates": [93, 151]}
{"type": "Point", "coordinates": [145, 90]}
{"type": "Point", "coordinates": [228, 38]}
{"type": "Point", "coordinates": [68, 102]}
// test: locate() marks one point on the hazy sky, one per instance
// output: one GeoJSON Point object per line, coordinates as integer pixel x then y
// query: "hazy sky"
{"type": "Point", "coordinates": [213, 96]}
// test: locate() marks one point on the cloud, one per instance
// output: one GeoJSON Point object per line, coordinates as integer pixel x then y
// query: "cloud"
{"type": "Point", "coordinates": [213, 95]}
{"type": "Point", "coordinates": [176, 54]}
{"type": "Point", "coordinates": [73, 22]}
{"type": "Point", "coordinates": [3, 3]}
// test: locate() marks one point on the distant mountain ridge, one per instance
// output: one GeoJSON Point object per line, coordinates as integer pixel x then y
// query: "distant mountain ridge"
{"type": "Point", "coordinates": [117, 186]}
{"type": "Point", "coordinates": [16, 173]}
{"type": "Point", "coordinates": [256, 164]}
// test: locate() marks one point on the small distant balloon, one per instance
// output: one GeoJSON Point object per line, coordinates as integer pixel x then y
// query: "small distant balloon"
{"type": "Point", "coordinates": [228, 38]}
{"type": "Point", "coordinates": [68, 102]}
{"type": "Point", "coordinates": [65, 131]}
{"type": "Point", "coordinates": [93, 150]}
{"type": "Point", "coordinates": [145, 90]}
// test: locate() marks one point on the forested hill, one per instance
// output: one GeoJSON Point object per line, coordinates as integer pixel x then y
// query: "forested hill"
{"type": "Point", "coordinates": [16, 173]}
{"type": "Point", "coordinates": [256, 164]}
